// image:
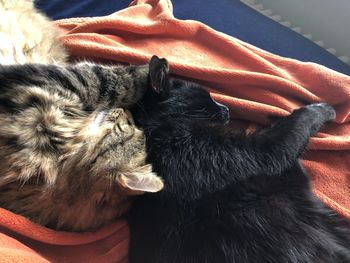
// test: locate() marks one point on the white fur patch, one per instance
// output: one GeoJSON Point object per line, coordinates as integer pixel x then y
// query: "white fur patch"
{"type": "Point", "coordinates": [95, 125]}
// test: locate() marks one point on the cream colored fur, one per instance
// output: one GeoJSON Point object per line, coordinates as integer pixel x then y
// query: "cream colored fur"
{"type": "Point", "coordinates": [27, 36]}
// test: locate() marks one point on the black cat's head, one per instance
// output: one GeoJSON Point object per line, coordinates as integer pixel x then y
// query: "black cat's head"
{"type": "Point", "coordinates": [176, 99]}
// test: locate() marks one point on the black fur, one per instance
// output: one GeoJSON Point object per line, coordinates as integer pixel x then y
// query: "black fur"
{"type": "Point", "coordinates": [228, 197]}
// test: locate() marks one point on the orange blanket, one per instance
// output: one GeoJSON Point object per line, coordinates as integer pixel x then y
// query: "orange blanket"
{"type": "Point", "coordinates": [253, 83]}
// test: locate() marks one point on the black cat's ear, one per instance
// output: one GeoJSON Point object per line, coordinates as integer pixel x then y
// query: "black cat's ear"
{"type": "Point", "coordinates": [159, 74]}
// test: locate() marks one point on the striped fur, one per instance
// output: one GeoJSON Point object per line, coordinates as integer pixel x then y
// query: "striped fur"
{"type": "Point", "coordinates": [71, 157]}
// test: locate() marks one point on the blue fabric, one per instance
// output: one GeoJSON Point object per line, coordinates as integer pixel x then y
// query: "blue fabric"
{"type": "Point", "coordinates": [58, 9]}
{"type": "Point", "coordinates": [228, 16]}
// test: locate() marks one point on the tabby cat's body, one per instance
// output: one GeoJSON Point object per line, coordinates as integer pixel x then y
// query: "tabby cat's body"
{"type": "Point", "coordinates": [70, 156]}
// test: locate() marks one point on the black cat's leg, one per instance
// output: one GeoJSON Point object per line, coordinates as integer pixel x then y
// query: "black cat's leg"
{"type": "Point", "coordinates": [276, 148]}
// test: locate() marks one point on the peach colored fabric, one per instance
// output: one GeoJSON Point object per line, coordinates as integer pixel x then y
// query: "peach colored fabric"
{"type": "Point", "coordinates": [24, 241]}
{"type": "Point", "coordinates": [255, 84]}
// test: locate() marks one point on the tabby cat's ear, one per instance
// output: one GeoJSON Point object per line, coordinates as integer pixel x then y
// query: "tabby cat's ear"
{"type": "Point", "coordinates": [159, 74]}
{"type": "Point", "coordinates": [140, 181]}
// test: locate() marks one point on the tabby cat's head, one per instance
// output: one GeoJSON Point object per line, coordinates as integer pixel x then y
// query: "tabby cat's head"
{"type": "Point", "coordinates": [110, 145]}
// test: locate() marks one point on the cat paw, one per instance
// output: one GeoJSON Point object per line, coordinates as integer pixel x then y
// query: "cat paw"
{"type": "Point", "coordinates": [324, 109]}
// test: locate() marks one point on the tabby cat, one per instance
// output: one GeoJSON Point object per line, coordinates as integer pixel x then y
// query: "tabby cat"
{"type": "Point", "coordinates": [71, 157]}
{"type": "Point", "coordinates": [228, 197]}
{"type": "Point", "coordinates": [28, 36]}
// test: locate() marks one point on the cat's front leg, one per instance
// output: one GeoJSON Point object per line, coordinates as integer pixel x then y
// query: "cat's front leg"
{"type": "Point", "coordinates": [276, 148]}
{"type": "Point", "coordinates": [131, 86]}
{"type": "Point", "coordinates": [106, 86]}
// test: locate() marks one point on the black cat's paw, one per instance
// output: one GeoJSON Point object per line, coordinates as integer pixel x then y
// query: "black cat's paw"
{"type": "Point", "coordinates": [312, 117]}
{"type": "Point", "coordinates": [323, 109]}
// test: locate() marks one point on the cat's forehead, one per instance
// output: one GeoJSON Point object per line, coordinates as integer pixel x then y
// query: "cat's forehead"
{"type": "Point", "coordinates": [187, 87]}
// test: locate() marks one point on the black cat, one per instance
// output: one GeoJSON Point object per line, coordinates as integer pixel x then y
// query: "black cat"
{"type": "Point", "coordinates": [228, 197]}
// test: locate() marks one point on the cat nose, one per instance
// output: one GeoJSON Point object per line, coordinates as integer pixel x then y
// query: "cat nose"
{"type": "Point", "coordinates": [121, 116]}
{"type": "Point", "coordinates": [225, 114]}
{"type": "Point", "coordinates": [116, 114]}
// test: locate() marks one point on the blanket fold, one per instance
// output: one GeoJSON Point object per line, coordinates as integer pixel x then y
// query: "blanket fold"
{"type": "Point", "coordinates": [253, 83]}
